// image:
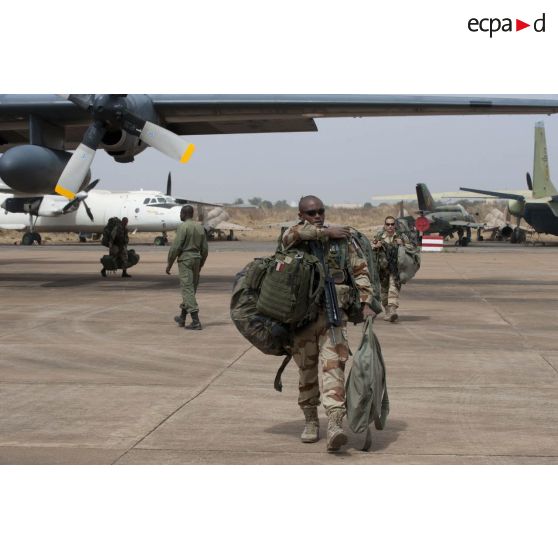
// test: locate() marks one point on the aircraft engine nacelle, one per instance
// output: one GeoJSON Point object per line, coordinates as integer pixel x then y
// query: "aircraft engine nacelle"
{"type": "Point", "coordinates": [121, 146]}
{"type": "Point", "coordinates": [47, 206]}
{"type": "Point", "coordinates": [34, 169]}
{"type": "Point", "coordinates": [516, 208]}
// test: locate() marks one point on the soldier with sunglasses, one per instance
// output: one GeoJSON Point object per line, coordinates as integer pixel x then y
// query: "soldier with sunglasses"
{"type": "Point", "coordinates": [315, 344]}
{"type": "Point", "coordinates": [387, 242]}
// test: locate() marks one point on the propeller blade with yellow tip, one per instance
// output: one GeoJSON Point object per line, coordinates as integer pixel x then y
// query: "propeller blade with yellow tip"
{"type": "Point", "coordinates": [166, 142]}
{"type": "Point", "coordinates": [77, 168]}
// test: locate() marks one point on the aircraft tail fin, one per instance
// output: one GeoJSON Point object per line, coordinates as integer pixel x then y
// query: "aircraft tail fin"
{"type": "Point", "coordinates": [542, 185]}
{"type": "Point", "coordinates": [425, 201]}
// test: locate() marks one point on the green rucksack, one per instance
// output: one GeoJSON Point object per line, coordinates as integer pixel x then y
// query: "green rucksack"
{"type": "Point", "coordinates": [113, 232]}
{"type": "Point", "coordinates": [291, 283]}
{"type": "Point", "coordinates": [371, 257]}
{"type": "Point", "coordinates": [291, 287]}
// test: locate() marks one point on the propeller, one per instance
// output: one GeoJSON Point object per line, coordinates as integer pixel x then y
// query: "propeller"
{"type": "Point", "coordinates": [112, 110]}
{"type": "Point", "coordinates": [169, 185]}
{"type": "Point", "coordinates": [80, 198]}
{"type": "Point", "coordinates": [529, 182]}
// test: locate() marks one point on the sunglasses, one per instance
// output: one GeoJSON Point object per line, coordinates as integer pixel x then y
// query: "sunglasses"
{"type": "Point", "coordinates": [314, 212]}
{"type": "Point", "coordinates": [390, 224]}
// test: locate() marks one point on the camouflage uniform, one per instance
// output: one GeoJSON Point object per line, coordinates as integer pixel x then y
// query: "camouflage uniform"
{"type": "Point", "coordinates": [314, 343]}
{"type": "Point", "coordinates": [190, 247]}
{"type": "Point", "coordinates": [389, 283]}
{"type": "Point", "coordinates": [118, 246]}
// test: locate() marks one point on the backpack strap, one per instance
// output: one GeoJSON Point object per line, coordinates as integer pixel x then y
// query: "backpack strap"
{"type": "Point", "coordinates": [277, 384]}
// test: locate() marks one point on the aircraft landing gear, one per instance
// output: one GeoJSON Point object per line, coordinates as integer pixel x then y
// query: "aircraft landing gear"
{"type": "Point", "coordinates": [162, 240]}
{"type": "Point", "coordinates": [518, 236]}
{"type": "Point", "coordinates": [30, 238]}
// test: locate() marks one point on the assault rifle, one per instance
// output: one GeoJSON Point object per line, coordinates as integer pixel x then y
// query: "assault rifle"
{"type": "Point", "coordinates": [333, 314]}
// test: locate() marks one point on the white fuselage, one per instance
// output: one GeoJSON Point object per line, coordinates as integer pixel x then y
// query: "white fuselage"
{"type": "Point", "coordinates": [147, 211]}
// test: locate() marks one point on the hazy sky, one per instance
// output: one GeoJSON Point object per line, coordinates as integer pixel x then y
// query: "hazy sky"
{"type": "Point", "coordinates": [347, 160]}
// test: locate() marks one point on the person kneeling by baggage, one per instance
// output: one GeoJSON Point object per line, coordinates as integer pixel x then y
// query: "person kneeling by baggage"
{"type": "Point", "coordinates": [115, 237]}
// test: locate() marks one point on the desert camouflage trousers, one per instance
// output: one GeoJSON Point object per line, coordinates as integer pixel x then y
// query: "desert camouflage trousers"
{"type": "Point", "coordinates": [314, 346]}
{"type": "Point", "coordinates": [388, 291]}
{"type": "Point", "coordinates": [189, 274]}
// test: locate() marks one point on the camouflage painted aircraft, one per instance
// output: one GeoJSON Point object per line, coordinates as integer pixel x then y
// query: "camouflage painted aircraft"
{"type": "Point", "coordinates": [540, 209]}
{"type": "Point", "coordinates": [444, 219]}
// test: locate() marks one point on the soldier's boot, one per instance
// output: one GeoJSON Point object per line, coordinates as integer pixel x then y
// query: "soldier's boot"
{"type": "Point", "coordinates": [392, 313]}
{"type": "Point", "coordinates": [336, 437]}
{"type": "Point", "coordinates": [387, 313]}
{"type": "Point", "coordinates": [181, 320]}
{"type": "Point", "coordinates": [195, 322]}
{"type": "Point", "coordinates": [125, 273]}
{"type": "Point", "coordinates": [311, 432]}
{"type": "Point", "coordinates": [104, 272]}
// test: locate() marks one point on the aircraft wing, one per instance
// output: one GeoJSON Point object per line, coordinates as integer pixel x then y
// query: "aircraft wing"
{"type": "Point", "coordinates": [503, 195]}
{"type": "Point", "coordinates": [233, 114]}
{"type": "Point", "coordinates": [478, 195]}
{"type": "Point", "coordinates": [228, 226]}
{"type": "Point", "coordinates": [396, 198]}
{"type": "Point", "coordinates": [466, 224]}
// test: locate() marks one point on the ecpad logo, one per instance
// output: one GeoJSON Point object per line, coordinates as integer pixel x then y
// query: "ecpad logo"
{"type": "Point", "coordinates": [494, 24]}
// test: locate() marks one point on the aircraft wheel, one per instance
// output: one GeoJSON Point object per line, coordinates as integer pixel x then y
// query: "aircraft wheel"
{"type": "Point", "coordinates": [27, 239]}
{"type": "Point", "coordinates": [159, 241]}
{"type": "Point", "coordinates": [37, 237]}
{"type": "Point", "coordinates": [518, 236]}
{"type": "Point", "coordinates": [463, 241]}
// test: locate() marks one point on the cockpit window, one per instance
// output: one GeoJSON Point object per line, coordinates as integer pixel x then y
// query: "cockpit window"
{"type": "Point", "coordinates": [146, 201]}
{"type": "Point", "coordinates": [160, 200]}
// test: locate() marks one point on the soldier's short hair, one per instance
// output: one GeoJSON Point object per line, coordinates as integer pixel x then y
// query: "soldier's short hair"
{"type": "Point", "coordinates": [187, 211]}
{"type": "Point", "coordinates": [390, 217]}
{"type": "Point", "coordinates": [304, 199]}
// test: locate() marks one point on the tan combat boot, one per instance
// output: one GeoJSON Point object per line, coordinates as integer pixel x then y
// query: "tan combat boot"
{"type": "Point", "coordinates": [311, 432]}
{"type": "Point", "coordinates": [387, 313]}
{"type": "Point", "coordinates": [335, 435]}
{"type": "Point", "coordinates": [392, 313]}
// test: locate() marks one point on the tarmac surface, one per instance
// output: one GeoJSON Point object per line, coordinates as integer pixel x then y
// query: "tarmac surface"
{"type": "Point", "coordinates": [95, 371]}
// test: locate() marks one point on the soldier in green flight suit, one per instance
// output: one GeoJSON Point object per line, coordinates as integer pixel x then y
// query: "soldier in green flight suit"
{"type": "Point", "coordinates": [190, 248]}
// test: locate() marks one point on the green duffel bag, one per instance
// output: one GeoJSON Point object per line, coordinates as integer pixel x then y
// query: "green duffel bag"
{"type": "Point", "coordinates": [408, 263]}
{"type": "Point", "coordinates": [110, 263]}
{"type": "Point", "coordinates": [366, 386]}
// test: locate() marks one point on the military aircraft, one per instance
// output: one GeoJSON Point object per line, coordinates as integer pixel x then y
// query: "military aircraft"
{"type": "Point", "coordinates": [147, 211]}
{"type": "Point", "coordinates": [540, 209]}
{"type": "Point", "coordinates": [443, 219]}
{"type": "Point", "coordinates": [37, 130]}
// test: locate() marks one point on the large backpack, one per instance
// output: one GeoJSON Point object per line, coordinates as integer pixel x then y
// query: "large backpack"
{"type": "Point", "coordinates": [291, 287]}
{"type": "Point", "coordinates": [371, 257]}
{"type": "Point", "coordinates": [274, 296]}
{"type": "Point", "coordinates": [108, 234]}
{"type": "Point", "coordinates": [408, 263]}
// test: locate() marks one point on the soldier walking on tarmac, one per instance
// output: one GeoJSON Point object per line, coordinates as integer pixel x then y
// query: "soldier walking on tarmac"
{"type": "Point", "coordinates": [190, 248]}
{"type": "Point", "coordinates": [387, 243]}
{"type": "Point", "coordinates": [318, 343]}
